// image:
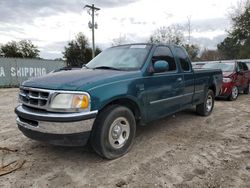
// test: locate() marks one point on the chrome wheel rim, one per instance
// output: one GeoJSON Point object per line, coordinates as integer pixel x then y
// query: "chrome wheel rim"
{"type": "Point", "coordinates": [234, 92]}
{"type": "Point", "coordinates": [119, 132]}
{"type": "Point", "coordinates": [209, 105]}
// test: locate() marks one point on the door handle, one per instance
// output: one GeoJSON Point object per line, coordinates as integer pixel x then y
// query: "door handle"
{"type": "Point", "coordinates": [179, 79]}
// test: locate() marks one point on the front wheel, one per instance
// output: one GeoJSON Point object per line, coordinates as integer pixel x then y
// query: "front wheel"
{"type": "Point", "coordinates": [234, 94]}
{"type": "Point", "coordinates": [206, 108]}
{"type": "Point", "coordinates": [113, 132]}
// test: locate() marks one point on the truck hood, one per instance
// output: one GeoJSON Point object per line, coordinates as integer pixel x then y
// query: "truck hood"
{"type": "Point", "coordinates": [75, 79]}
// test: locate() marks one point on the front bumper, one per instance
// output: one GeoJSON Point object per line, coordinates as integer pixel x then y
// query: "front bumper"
{"type": "Point", "coordinates": [70, 129]}
{"type": "Point", "coordinates": [226, 89]}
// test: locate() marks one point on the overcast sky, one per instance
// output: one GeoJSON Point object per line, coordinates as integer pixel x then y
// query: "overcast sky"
{"type": "Point", "coordinates": [50, 24]}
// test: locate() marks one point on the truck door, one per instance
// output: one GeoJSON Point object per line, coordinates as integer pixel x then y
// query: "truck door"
{"type": "Point", "coordinates": [188, 77]}
{"type": "Point", "coordinates": [164, 89]}
{"type": "Point", "coordinates": [240, 76]}
{"type": "Point", "coordinates": [246, 75]}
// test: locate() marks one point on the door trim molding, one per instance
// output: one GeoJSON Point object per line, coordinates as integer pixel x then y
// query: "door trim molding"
{"type": "Point", "coordinates": [170, 98]}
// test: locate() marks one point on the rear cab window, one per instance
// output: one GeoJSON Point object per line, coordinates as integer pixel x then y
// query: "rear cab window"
{"type": "Point", "coordinates": [183, 59]}
{"type": "Point", "coordinates": [244, 66]}
{"type": "Point", "coordinates": [239, 66]}
{"type": "Point", "coordinates": [248, 64]}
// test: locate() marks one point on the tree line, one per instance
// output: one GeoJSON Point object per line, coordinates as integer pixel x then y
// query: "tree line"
{"type": "Point", "coordinates": [237, 44]}
{"type": "Point", "coordinates": [21, 49]}
{"type": "Point", "coordinates": [78, 51]}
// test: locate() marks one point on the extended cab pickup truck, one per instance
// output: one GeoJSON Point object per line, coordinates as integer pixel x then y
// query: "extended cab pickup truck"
{"type": "Point", "coordinates": [122, 87]}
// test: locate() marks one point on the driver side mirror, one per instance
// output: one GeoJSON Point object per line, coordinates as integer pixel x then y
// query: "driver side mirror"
{"type": "Point", "coordinates": [161, 66]}
{"type": "Point", "coordinates": [238, 71]}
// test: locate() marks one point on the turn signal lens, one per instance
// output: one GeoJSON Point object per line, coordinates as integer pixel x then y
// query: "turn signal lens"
{"type": "Point", "coordinates": [80, 101]}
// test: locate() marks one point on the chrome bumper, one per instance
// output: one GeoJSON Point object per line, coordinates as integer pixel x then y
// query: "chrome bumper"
{"type": "Point", "coordinates": [55, 123]}
{"type": "Point", "coordinates": [58, 128]}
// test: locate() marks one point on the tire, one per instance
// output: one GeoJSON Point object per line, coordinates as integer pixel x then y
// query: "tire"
{"type": "Point", "coordinates": [246, 90]}
{"type": "Point", "coordinates": [113, 132]}
{"type": "Point", "coordinates": [234, 94]}
{"type": "Point", "coordinates": [206, 108]}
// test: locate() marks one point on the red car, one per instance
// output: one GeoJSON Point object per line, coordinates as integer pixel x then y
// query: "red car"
{"type": "Point", "coordinates": [236, 77]}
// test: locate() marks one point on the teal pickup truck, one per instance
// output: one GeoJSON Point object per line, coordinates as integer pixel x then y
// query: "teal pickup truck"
{"type": "Point", "coordinates": [121, 88]}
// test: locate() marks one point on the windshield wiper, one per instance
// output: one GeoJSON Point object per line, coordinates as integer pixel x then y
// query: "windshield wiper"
{"type": "Point", "coordinates": [106, 67]}
{"type": "Point", "coordinates": [85, 66]}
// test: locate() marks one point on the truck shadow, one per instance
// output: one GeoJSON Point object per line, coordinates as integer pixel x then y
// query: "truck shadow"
{"type": "Point", "coordinates": [143, 134]}
{"type": "Point", "coordinates": [167, 122]}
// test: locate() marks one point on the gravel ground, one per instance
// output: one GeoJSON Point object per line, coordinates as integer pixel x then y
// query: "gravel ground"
{"type": "Point", "coordinates": [183, 150]}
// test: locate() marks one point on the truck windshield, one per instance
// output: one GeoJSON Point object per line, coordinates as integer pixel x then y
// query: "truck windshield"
{"type": "Point", "coordinates": [225, 67]}
{"type": "Point", "coordinates": [126, 57]}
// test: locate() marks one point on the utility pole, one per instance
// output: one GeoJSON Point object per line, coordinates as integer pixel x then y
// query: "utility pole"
{"type": "Point", "coordinates": [92, 24]}
{"type": "Point", "coordinates": [189, 29]}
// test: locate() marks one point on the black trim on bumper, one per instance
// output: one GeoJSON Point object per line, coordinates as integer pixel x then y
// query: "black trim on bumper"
{"type": "Point", "coordinates": [28, 113]}
{"type": "Point", "coordinates": [76, 139]}
{"type": "Point", "coordinates": [225, 96]}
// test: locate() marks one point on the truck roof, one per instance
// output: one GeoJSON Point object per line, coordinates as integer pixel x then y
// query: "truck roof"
{"type": "Point", "coordinates": [152, 44]}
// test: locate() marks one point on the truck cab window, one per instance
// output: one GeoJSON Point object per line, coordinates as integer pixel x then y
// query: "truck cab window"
{"type": "Point", "coordinates": [164, 53]}
{"type": "Point", "coordinates": [183, 58]}
{"type": "Point", "coordinates": [239, 66]}
{"type": "Point", "coordinates": [245, 68]}
{"type": "Point", "coordinates": [248, 65]}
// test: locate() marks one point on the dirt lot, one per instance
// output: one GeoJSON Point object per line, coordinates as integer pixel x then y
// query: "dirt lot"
{"type": "Point", "coordinates": [184, 150]}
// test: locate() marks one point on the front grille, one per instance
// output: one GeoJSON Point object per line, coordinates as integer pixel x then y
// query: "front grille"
{"type": "Point", "coordinates": [36, 98]}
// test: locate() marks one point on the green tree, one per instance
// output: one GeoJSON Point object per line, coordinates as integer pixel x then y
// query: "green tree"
{"type": "Point", "coordinates": [237, 44]}
{"type": "Point", "coordinates": [28, 50]}
{"type": "Point", "coordinates": [229, 48]}
{"type": "Point", "coordinates": [78, 52]}
{"type": "Point", "coordinates": [21, 49]}
{"type": "Point", "coordinates": [11, 49]}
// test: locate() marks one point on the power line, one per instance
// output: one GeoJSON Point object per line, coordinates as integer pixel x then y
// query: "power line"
{"type": "Point", "coordinates": [92, 24]}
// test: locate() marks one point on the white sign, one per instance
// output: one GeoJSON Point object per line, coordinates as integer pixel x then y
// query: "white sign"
{"type": "Point", "coordinates": [24, 71]}
{"type": "Point", "coordinates": [2, 73]}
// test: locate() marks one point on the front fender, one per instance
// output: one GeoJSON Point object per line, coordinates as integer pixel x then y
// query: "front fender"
{"type": "Point", "coordinates": [126, 89]}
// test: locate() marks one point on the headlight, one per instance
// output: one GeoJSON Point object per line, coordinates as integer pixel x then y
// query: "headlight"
{"type": "Point", "coordinates": [70, 102]}
{"type": "Point", "coordinates": [227, 80]}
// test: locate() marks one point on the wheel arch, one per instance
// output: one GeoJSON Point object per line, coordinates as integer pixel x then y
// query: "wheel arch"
{"type": "Point", "coordinates": [127, 102]}
{"type": "Point", "coordinates": [213, 88]}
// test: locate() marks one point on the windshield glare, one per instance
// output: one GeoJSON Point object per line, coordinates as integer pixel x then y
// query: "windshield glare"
{"type": "Point", "coordinates": [225, 67]}
{"type": "Point", "coordinates": [127, 57]}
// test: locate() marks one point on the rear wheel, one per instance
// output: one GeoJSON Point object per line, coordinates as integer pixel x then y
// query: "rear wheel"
{"type": "Point", "coordinates": [246, 90]}
{"type": "Point", "coordinates": [113, 132]}
{"type": "Point", "coordinates": [206, 108]}
{"type": "Point", "coordinates": [234, 94]}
